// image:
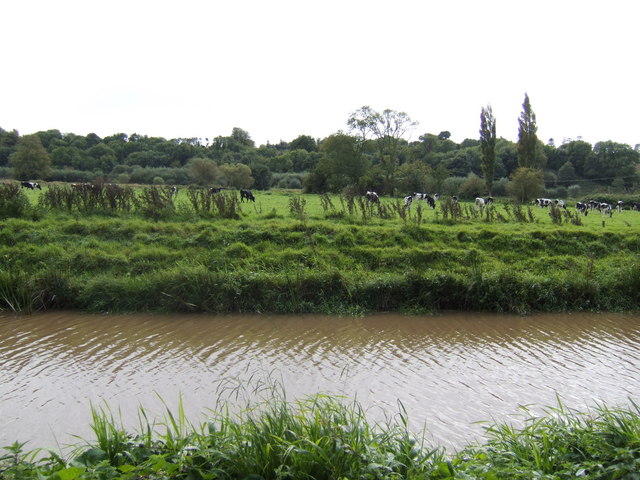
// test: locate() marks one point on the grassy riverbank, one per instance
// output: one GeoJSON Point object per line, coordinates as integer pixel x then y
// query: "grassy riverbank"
{"type": "Point", "coordinates": [291, 253]}
{"type": "Point", "coordinates": [323, 438]}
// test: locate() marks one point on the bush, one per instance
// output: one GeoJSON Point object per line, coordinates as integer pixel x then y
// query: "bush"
{"type": "Point", "coordinates": [13, 202]}
{"type": "Point", "coordinates": [472, 187]}
{"type": "Point", "coordinates": [451, 185]}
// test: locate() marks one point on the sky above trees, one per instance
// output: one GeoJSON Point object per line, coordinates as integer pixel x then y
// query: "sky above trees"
{"type": "Point", "coordinates": [284, 68]}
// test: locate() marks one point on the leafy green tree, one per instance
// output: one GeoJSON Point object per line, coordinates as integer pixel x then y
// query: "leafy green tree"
{"type": "Point", "coordinates": [342, 163]}
{"type": "Point", "coordinates": [30, 160]}
{"type": "Point", "coordinates": [413, 177]}
{"type": "Point", "coordinates": [488, 145]}
{"type": "Point", "coordinates": [280, 163]}
{"type": "Point", "coordinates": [610, 160]}
{"type": "Point", "coordinates": [440, 174]}
{"type": "Point", "coordinates": [530, 149]}
{"type": "Point", "coordinates": [576, 152]}
{"type": "Point", "coordinates": [472, 187]}
{"type": "Point", "coordinates": [526, 184]}
{"type": "Point", "coordinates": [71, 157]}
{"type": "Point", "coordinates": [101, 157]}
{"type": "Point", "coordinates": [8, 142]}
{"type": "Point", "coordinates": [238, 175]}
{"type": "Point", "coordinates": [261, 175]}
{"type": "Point", "coordinates": [567, 174]}
{"type": "Point", "coordinates": [304, 142]}
{"type": "Point", "coordinates": [205, 171]}
{"type": "Point", "coordinates": [387, 128]}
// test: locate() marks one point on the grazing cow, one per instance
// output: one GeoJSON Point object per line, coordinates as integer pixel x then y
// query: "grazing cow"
{"type": "Point", "coordinates": [543, 202]}
{"type": "Point", "coordinates": [560, 203]}
{"type": "Point", "coordinates": [213, 190]}
{"type": "Point", "coordinates": [246, 194]}
{"type": "Point", "coordinates": [481, 202]}
{"type": "Point", "coordinates": [619, 206]}
{"type": "Point", "coordinates": [582, 208]}
{"type": "Point", "coordinates": [593, 205]}
{"type": "Point", "coordinates": [31, 185]}
{"type": "Point", "coordinates": [372, 197]}
{"type": "Point", "coordinates": [635, 206]}
{"type": "Point", "coordinates": [174, 191]}
{"type": "Point", "coordinates": [431, 201]}
{"type": "Point", "coordinates": [408, 200]}
{"type": "Point", "coordinates": [605, 209]}
{"type": "Point", "coordinates": [454, 198]}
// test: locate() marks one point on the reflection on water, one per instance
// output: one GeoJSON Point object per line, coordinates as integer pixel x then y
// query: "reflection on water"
{"type": "Point", "coordinates": [447, 371]}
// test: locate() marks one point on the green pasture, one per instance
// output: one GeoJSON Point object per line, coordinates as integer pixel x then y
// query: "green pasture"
{"type": "Point", "coordinates": [290, 252]}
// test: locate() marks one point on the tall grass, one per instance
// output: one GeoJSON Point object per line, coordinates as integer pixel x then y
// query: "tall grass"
{"type": "Point", "coordinates": [326, 437]}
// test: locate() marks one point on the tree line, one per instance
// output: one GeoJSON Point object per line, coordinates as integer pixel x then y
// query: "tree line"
{"type": "Point", "coordinates": [371, 154]}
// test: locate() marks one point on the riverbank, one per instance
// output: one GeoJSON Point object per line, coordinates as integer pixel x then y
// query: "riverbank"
{"type": "Point", "coordinates": [322, 437]}
{"type": "Point", "coordinates": [296, 254]}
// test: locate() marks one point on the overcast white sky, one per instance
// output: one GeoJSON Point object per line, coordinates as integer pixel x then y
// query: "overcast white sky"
{"type": "Point", "coordinates": [283, 68]}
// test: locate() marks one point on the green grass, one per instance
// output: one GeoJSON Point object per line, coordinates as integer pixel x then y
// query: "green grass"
{"type": "Point", "coordinates": [323, 437]}
{"type": "Point", "coordinates": [291, 253]}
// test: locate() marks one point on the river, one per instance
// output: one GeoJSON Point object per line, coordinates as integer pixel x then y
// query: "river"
{"type": "Point", "coordinates": [447, 371]}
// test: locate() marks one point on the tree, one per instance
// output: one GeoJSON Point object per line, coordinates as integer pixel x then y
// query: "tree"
{"type": "Point", "coordinates": [31, 160]}
{"type": "Point", "coordinates": [566, 174]}
{"type": "Point", "coordinates": [242, 137]}
{"type": "Point", "coordinates": [530, 149]}
{"type": "Point", "coordinates": [304, 142]}
{"type": "Point", "coordinates": [609, 160]}
{"type": "Point", "coordinates": [204, 171]}
{"type": "Point", "coordinates": [526, 184]}
{"type": "Point", "coordinates": [413, 177]}
{"type": "Point", "coordinates": [488, 145]}
{"type": "Point", "coordinates": [343, 164]}
{"type": "Point", "coordinates": [238, 175]}
{"type": "Point", "coordinates": [387, 128]}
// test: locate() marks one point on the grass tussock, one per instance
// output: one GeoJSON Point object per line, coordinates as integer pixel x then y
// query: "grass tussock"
{"type": "Point", "coordinates": [324, 437]}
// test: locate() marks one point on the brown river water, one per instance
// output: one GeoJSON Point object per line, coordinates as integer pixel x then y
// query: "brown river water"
{"type": "Point", "coordinates": [448, 372]}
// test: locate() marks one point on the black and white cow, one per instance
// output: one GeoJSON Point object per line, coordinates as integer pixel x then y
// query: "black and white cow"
{"type": "Point", "coordinates": [635, 206]}
{"type": "Point", "coordinates": [543, 202]}
{"type": "Point", "coordinates": [430, 200]}
{"type": "Point", "coordinates": [582, 208]}
{"type": "Point", "coordinates": [619, 206]}
{"type": "Point", "coordinates": [560, 203]}
{"type": "Point", "coordinates": [481, 202]}
{"type": "Point", "coordinates": [372, 197]}
{"type": "Point", "coordinates": [605, 209]}
{"type": "Point", "coordinates": [213, 190]}
{"type": "Point", "coordinates": [455, 199]}
{"type": "Point", "coordinates": [408, 200]}
{"type": "Point", "coordinates": [246, 194]}
{"type": "Point", "coordinates": [31, 185]}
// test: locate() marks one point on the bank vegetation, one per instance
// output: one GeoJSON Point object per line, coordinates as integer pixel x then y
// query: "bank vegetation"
{"type": "Point", "coordinates": [324, 438]}
{"type": "Point", "coordinates": [147, 249]}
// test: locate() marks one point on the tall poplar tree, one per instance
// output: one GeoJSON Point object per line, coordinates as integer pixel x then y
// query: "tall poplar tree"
{"type": "Point", "coordinates": [527, 137]}
{"type": "Point", "coordinates": [488, 145]}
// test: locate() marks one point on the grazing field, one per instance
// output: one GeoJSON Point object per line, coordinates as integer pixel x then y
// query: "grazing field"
{"type": "Point", "coordinates": [148, 249]}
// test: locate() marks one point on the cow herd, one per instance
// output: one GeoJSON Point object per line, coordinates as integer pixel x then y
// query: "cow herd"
{"type": "Point", "coordinates": [585, 207]}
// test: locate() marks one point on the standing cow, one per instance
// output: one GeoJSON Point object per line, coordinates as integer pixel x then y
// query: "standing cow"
{"type": "Point", "coordinates": [246, 194]}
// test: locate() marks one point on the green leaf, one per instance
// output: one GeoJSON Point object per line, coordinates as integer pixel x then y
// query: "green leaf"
{"type": "Point", "coordinates": [70, 473]}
